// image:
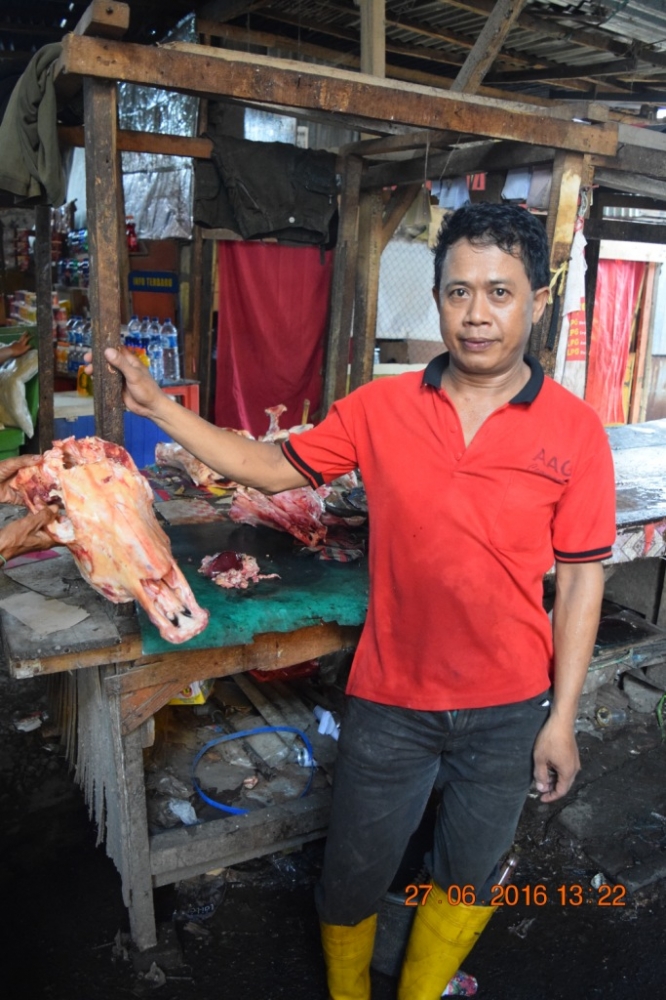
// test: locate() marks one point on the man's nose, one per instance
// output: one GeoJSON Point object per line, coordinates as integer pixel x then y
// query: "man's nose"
{"type": "Point", "coordinates": [477, 311]}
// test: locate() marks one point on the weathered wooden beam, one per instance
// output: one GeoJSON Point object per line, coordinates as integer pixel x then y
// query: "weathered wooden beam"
{"type": "Point", "coordinates": [624, 229]}
{"type": "Point", "coordinates": [487, 46]}
{"type": "Point", "coordinates": [241, 37]}
{"type": "Point", "coordinates": [585, 37]}
{"type": "Point", "coordinates": [370, 246]}
{"type": "Point", "coordinates": [221, 843]}
{"type": "Point", "coordinates": [394, 212]}
{"type": "Point", "coordinates": [478, 157]}
{"type": "Point", "coordinates": [213, 72]}
{"type": "Point", "coordinates": [143, 142]}
{"type": "Point", "coordinates": [104, 18]}
{"type": "Point", "coordinates": [268, 651]}
{"type": "Point", "coordinates": [343, 284]}
{"type": "Point", "coordinates": [400, 143]}
{"type": "Point", "coordinates": [592, 72]}
{"type": "Point", "coordinates": [633, 157]}
{"type": "Point", "coordinates": [46, 358]}
{"type": "Point", "coordinates": [105, 231]}
{"type": "Point", "coordinates": [620, 180]}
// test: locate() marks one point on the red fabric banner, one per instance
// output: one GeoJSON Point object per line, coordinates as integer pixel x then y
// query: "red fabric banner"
{"type": "Point", "coordinates": [272, 319]}
{"type": "Point", "coordinates": [618, 287]}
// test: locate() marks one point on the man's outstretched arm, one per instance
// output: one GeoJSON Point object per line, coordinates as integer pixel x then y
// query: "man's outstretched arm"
{"type": "Point", "coordinates": [578, 595]}
{"type": "Point", "coordinates": [252, 463]}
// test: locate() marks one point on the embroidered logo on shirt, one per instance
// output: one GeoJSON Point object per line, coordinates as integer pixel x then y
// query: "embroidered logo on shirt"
{"type": "Point", "coordinates": [552, 467]}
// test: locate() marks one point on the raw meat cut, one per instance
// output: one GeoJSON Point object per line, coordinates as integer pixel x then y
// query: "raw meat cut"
{"type": "Point", "coordinates": [108, 524]}
{"type": "Point", "coordinates": [298, 512]}
{"type": "Point", "coordinates": [275, 434]}
{"type": "Point", "coordinates": [233, 570]}
{"type": "Point", "coordinates": [169, 453]}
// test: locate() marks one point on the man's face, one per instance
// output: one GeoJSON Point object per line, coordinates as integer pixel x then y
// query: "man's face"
{"type": "Point", "coordinates": [486, 308]}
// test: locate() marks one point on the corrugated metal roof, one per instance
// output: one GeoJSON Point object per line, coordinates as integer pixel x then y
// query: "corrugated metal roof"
{"type": "Point", "coordinates": [423, 36]}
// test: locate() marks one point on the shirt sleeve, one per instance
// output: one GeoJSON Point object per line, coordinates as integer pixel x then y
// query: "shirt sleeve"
{"type": "Point", "coordinates": [584, 524]}
{"type": "Point", "coordinates": [329, 449]}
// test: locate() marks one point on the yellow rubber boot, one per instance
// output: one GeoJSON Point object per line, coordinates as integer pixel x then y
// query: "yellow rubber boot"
{"type": "Point", "coordinates": [348, 951]}
{"type": "Point", "coordinates": [442, 936]}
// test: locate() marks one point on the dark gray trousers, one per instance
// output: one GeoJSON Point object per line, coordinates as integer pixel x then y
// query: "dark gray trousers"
{"type": "Point", "coordinates": [389, 761]}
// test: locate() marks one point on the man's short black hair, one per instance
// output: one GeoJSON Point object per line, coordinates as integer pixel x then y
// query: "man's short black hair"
{"type": "Point", "coordinates": [512, 229]}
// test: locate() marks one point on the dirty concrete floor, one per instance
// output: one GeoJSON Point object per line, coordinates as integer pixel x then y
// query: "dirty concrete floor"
{"type": "Point", "coordinates": [62, 909]}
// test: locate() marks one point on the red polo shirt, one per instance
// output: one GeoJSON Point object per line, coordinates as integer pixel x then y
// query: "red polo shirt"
{"type": "Point", "coordinates": [460, 537]}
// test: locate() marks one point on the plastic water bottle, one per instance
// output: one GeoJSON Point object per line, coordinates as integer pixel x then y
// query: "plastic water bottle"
{"type": "Point", "coordinates": [169, 336]}
{"type": "Point", "coordinates": [156, 356]}
{"type": "Point", "coordinates": [71, 323]}
{"type": "Point", "coordinates": [86, 334]}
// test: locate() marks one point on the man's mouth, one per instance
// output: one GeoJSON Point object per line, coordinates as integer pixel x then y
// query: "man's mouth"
{"type": "Point", "coordinates": [477, 344]}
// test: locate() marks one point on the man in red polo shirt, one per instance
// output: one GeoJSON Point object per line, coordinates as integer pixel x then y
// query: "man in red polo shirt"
{"type": "Point", "coordinates": [480, 474]}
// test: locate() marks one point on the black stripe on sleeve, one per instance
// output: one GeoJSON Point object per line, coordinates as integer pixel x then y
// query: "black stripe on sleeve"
{"type": "Point", "coordinates": [314, 478]}
{"type": "Point", "coordinates": [591, 555]}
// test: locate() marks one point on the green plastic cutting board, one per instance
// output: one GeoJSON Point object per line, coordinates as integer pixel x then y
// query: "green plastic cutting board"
{"type": "Point", "coordinates": [310, 591]}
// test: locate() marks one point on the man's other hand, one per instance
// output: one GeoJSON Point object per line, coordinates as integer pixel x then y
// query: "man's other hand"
{"type": "Point", "coordinates": [8, 469]}
{"type": "Point", "coordinates": [556, 759]}
{"type": "Point", "coordinates": [27, 534]}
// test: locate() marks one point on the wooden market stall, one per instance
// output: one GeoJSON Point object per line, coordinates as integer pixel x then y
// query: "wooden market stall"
{"type": "Point", "coordinates": [456, 132]}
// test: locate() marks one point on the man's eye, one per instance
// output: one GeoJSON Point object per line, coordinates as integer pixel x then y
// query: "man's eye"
{"type": "Point", "coordinates": [500, 292]}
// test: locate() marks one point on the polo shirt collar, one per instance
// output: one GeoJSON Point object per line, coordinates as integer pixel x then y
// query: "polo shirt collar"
{"type": "Point", "coordinates": [433, 376]}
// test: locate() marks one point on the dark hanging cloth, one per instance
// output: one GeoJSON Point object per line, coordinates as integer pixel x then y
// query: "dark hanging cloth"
{"type": "Point", "coordinates": [30, 160]}
{"type": "Point", "coordinates": [268, 190]}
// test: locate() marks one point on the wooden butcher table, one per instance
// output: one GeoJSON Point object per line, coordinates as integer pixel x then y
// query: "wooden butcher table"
{"type": "Point", "coordinates": [119, 672]}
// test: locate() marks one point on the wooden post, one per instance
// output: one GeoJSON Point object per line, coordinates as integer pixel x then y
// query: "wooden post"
{"type": "Point", "coordinates": [568, 171]}
{"type": "Point", "coordinates": [208, 306]}
{"type": "Point", "coordinates": [192, 344]}
{"type": "Point", "coordinates": [642, 347]}
{"type": "Point", "coordinates": [373, 37]}
{"type": "Point", "coordinates": [367, 286]}
{"type": "Point", "coordinates": [342, 288]}
{"type": "Point", "coordinates": [43, 288]}
{"type": "Point", "coordinates": [592, 260]}
{"type": "Point", "coordinates": [134, 841]}
{"type": "Point", "coordinates": [105, 231]}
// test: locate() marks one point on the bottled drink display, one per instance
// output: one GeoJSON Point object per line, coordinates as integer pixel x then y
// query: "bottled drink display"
{"type": "Point", "coordinates": [171, 357]}
{"type": "Point", "coordinates": [155, 351]}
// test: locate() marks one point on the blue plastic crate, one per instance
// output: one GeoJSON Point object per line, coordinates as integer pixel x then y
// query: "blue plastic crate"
{"type": "Point", "coordinates": [141, 435]}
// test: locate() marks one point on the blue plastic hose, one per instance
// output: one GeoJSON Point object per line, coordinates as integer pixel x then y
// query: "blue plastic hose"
{"type": "Point", "coordinates": [237, 736]}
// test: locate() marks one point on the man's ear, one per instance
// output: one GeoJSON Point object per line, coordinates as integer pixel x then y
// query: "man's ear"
{"type": "Point", "coordinates": [539, 303]}
{"type": "Point", "coordinates": [435, 295]}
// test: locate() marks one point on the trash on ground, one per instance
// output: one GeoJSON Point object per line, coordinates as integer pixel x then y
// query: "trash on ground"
{"type": "Point", "coordinates": [327, 724]}
{"type": "Point", "coordinates": [30, 722]}
{"type": "Point", "coordinates": [155, 975]}
{"type": "Point", "coordinates": [522, 928]}
{"type": "Point", "coordinates": [199, 898]}
{"type": "Point", "coordinates": [462, 985]}
{"type": "Point", "coordinates": [184, 811]}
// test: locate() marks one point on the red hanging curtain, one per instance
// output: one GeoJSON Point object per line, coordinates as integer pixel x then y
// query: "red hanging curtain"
{"type": "Point", "coordinates": [272, 319]}
{"type": "Point", "coordinates": [619, 284]}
